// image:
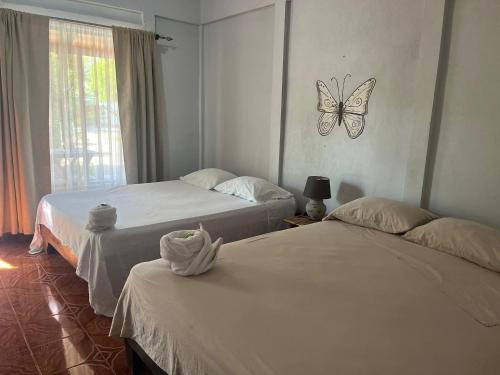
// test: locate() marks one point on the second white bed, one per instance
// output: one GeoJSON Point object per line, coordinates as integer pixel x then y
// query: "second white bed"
{"type": "Point", "coordinates": [145, 213]}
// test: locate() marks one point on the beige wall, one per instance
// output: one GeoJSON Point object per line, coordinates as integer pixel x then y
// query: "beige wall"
{"type": "Point", "coordinates": [213, 10]}
{"type": "Point", "coordinates": [180, 64]}
{"type": "Point", "coordinates": [238, 56]}
{"type": "Point", "coordinates": [381, 39]}
{"type": "Point", "coordinates": [441, 124]}
{"type": "Point", "coordinates": [465, 154]}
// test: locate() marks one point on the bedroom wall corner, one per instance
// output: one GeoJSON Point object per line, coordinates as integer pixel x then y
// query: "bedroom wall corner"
{"type": "Point", "coordinates": [463, 173]}
{"type": "Point", "coordinates": [278, 90]}
{"type": "Point", "coordinates": [237, 75]}
{"type": "Point", "coordinates": [214, 10]}
{"type": "Point", "coordinates": [180, 68]}
{"type": "Point", "coordinates": [426, 85]}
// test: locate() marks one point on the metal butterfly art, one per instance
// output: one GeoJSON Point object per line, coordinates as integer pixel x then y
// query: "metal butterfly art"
{"type": "Point", "coordinates": [352, 112]}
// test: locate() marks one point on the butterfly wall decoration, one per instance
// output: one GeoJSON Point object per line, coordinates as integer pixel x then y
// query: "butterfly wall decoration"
{"type": "Point", "coordinates": [352, 112]}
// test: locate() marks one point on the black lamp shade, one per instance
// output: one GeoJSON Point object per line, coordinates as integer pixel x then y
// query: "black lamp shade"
{"type": "Point", "coordinates": [317, 187]}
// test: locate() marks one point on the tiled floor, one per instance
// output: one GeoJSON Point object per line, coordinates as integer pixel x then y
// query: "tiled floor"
{"type": "Point", "coordinates": [46, 323]}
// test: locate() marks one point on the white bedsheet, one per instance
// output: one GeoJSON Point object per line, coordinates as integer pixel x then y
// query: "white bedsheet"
{"type": "Point", "coordinates": [145, 213]}
{"type": "Point", "coordinates": [326, 298]}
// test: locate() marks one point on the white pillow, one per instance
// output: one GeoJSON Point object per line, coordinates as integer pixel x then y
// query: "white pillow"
{"type": "Point", "coordinates": [382, 214]}
{"type": "Point", "coordinates": [253, 189]}
{"type": "Point", "coordinates": [467, 239]}
{"type": "Point", "coordinates": [207, 178]}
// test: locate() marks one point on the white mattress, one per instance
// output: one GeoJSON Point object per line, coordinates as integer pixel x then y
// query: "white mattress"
{"type": "Point", "coordinates": [145, 213]}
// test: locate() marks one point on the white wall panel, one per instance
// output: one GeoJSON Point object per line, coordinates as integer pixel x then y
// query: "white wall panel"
{"type": "Point", "coordinates": [212, 10]}
{"type": "Point", "coordinates": [180, 64]}
{"type": "Point", "coordinates": [381, 39]}
{"type": "Point", "coordinates": [238, 64]}
{"type": "Point", "coordinates": [465, 154]}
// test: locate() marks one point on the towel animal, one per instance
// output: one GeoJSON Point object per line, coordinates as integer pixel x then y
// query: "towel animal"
{"type": "Point", "coordinates": [189, 252]}
{"type": "Point", "coordinates": [101, 218]}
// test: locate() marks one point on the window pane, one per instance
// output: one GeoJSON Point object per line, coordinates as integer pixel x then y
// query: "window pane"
{"type": "Point", "coordinates": [85, 139]}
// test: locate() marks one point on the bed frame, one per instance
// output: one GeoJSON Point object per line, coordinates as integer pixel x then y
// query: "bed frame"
{"type": "Point", "coordinates": [140, 363]}
{"type": "Point", "coordinates": [51, 242]}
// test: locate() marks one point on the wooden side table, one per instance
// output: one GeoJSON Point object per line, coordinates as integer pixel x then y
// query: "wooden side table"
{"type": "Point", "coordinates": [298, 221]}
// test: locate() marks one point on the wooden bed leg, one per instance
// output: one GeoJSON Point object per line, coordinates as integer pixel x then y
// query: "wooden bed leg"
{"type": "Point", "coordinates": [52, 245]}
{"type": "Point", "coordinates": [45, 240]}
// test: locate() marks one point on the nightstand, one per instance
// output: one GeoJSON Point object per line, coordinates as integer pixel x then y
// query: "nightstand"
{"type": "Point", "coordinates": [298, 221]}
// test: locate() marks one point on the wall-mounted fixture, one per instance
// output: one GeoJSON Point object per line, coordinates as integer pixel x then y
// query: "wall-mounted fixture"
{"type": "Point", "coordinates": [167, 38]}
{"type": "Point", "coordinates": [352, 113]}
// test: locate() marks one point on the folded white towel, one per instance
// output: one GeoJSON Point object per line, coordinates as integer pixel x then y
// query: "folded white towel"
{"type": "Point", "coordinates": [189, 252]}
{"type": "Point", "coordinates": [101, 218]}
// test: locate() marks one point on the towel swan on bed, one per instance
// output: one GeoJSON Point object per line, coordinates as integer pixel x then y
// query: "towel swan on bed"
{"type": "Point", "coordinates": [189, 252]}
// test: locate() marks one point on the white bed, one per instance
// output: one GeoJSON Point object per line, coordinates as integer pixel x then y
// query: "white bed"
{"type": "Point", "coordinates": [145, 213]}
{"type": "Point", "coordinates": [326, 298]}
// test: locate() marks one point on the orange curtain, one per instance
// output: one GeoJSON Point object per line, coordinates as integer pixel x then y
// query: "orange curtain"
{"type": "Point", "coordinates": [24, 118]}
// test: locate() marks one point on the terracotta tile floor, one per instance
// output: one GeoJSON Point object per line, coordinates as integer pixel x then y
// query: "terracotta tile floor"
{"type": "Point", "coordinates": [46, 323]}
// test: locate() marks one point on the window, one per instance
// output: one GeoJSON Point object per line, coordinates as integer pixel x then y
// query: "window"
{"type": "Point", "coordinates": [85, 140]}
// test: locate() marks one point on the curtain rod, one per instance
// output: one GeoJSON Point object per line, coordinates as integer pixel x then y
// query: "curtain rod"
{"type": "Point", "coordinates": [167, 38]}
{"type": "Point", "coordinates": [157, 36]}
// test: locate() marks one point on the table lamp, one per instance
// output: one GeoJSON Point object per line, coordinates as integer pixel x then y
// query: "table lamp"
{"type": "Point", "coordinates": [317, 188]}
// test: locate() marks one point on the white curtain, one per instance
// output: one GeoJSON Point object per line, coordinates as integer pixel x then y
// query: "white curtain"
{"type": "Point", "coordinates": [85, 141]}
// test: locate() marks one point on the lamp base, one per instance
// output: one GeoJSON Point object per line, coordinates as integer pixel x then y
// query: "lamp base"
{"type": "Point", "coordinates": [315, 209]}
